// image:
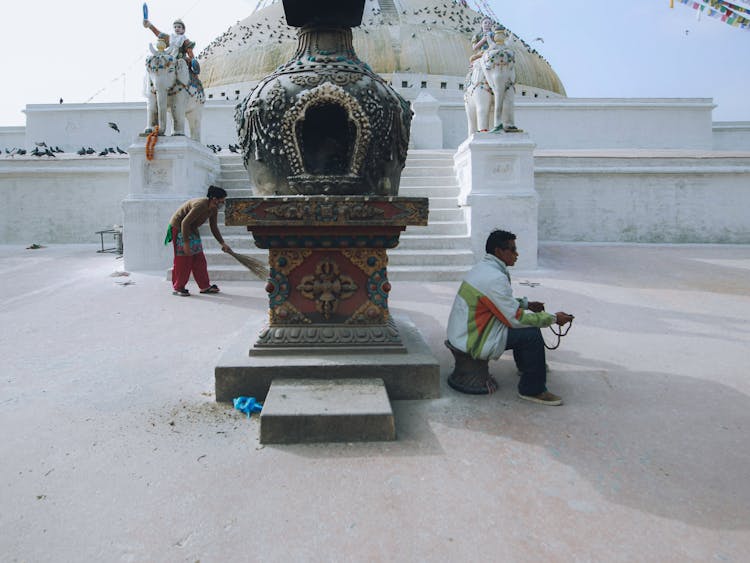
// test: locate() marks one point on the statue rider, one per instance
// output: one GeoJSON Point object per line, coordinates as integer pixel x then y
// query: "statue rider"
{"type": "Point", "coordinates": [483, 40]}
{"type": "Point", "coordinates": [178, 41]}
{"type": "Point", "coordinates": [492, 38]}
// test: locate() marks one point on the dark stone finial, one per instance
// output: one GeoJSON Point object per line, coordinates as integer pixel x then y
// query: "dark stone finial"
{"type": "Point", "coordinates": [347, 13]}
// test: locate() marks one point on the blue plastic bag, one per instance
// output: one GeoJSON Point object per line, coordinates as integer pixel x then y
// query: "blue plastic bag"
{"type": "Point", "coordinates": [247, 405]}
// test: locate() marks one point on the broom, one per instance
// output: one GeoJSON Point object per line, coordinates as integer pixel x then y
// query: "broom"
{"type": "Point", "coordinates": [254, 265]}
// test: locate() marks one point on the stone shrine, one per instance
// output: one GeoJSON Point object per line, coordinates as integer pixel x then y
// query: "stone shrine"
{"type": "Point", "coordinates": [325, 140]}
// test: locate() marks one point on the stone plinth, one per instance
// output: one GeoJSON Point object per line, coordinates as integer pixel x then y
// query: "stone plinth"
{"type": "Point", "coordinates": [338, 410]}
{"type": "Point", "coordinates": [181, 169]}
{"type": "Point", "coordinates": [496, 177]}
{"type": "Point", "coordinates": [408, 375]}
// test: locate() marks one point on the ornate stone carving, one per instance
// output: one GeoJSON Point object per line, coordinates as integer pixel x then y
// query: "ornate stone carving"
{"type": "Point", "coordinates": [339, 210]}
{"type": "Point", "coordinates": [341, 337]}
{"type": "Point", "coordinates": [324, 123]}
{"type": "Point", "coordinates": [327, 287]}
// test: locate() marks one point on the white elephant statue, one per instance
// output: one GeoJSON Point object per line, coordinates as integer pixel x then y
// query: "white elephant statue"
{"type": "Point", "coordinates": [172, 86]}
{"type": "Point", "coordinates": [491, 83]}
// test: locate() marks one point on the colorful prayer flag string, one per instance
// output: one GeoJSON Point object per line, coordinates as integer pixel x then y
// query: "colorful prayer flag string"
{"type": "Point", "coordinates": [727, 11]}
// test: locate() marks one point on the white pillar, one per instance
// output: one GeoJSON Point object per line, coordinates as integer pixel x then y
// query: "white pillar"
{"type": "Point", "coordinates": [496, 176]}
{"type": "Point", "coordinates": [426, 127]}
{"type": "Point", "coordinates": [181, 169]}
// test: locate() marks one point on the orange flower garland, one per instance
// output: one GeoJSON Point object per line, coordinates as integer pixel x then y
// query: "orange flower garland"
{"type": "Point", "coordinates": [150, 142]}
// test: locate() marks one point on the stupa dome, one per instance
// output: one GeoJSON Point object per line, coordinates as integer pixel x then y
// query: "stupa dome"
{"type": "Point", "coordinates": [397, 38]}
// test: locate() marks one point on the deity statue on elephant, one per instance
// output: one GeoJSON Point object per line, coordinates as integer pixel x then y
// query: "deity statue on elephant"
{"type": "Point", "coordinates": [173, 83]}
{"type": "Point", "coordinates": [490, 87]}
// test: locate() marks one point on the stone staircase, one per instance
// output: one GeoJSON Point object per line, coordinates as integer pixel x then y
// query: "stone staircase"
{"type": "Point", "coordinates": [440, 251]}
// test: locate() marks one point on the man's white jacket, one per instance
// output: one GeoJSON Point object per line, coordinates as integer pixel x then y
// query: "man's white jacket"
{"type": "Point", "coordinates": [484, 310]}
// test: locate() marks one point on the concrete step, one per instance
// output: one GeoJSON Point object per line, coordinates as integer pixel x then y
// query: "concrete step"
{"type": "Point", "coordinates": [421, 171]}
{"type": "Point", "coordinates": [396, 257]}
{"type": "Point", "coordinates": [429, 257]}
{"type": "Point", "coordinates": [427, 273]}
{"type": "Point", "coordinates": [439, 251]}
{"type": "Point", "coordinates": [429, 191]}
{"type": "Point", "coordinates": [233, 174]}
{"type": "Point", "coordinates": [395, 273]}
{"type": "Point", "coordinates": [242, 241]}
{"type": "Point", "coordinates": [233, 165]}
{"type": "Point", "coordinates": [429, 181]}
{"type": "Point", "coordinates": [441, 228]}
{"type": "Point", "coordinates": [326, 410]}
{"type": "Point", "coordinates": [422, 241]}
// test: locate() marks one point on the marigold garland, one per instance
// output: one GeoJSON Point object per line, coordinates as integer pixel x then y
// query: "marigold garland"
{"type": "Point", "coordinates": [151, 142]}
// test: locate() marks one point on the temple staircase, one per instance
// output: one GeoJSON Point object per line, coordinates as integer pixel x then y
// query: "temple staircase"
{"type": "Point", "coordinates": [440, 251]}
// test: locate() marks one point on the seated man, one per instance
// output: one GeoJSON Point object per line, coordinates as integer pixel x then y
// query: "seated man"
{"type": "Point", "coordinates": [486, 320]}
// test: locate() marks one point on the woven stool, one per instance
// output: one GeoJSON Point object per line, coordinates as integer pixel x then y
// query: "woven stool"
{"type": "Point", "coordinates": [469, 375]}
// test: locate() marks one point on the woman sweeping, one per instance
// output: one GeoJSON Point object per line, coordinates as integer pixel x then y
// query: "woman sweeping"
{"type": "Point", "coordinates": [186, 241]}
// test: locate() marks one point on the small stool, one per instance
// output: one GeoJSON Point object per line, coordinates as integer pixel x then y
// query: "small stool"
{"type": "Point", "coordinates": [470, 375]}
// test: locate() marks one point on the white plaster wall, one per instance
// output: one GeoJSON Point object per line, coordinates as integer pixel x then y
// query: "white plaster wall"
{"type": "Point", "coordinates": [588, 123]}
{"type": "Point", "coordinates": [71, 126]}
{"type": "Point", "coordinates": [12, 137]}
{"type": "Point", "coordinates": [218, 124]}
{"type": "Point", "coordinates": [695, 198]}
{"type": "Point", "coordinates": [559, 123]}
{"type": "Point", "coordinates": [731, 135]}
{"type": "Point", "coordinates": [65, 200]}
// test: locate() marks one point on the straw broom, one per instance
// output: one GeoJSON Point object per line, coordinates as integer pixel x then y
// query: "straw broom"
{"type": "Point", "coordinates": [255, 266]}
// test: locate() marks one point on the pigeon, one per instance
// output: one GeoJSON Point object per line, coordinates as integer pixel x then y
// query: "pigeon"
{"type": "Point", "coordinates": [49, 152]}
{"type": "Point", "coordinates": [120, 151]}
{"type": "Point", "coordinates": [90, 151]}
{"type": "Point", "coordinates": [61, 100]}
{"type": "Point", "coordinates": [21, 152]}
{"type": "Point", "coordinates": [40, 144]}
{"type": "Point", "coordinates": [114, 126]}
{"type": "Point", "coordinates": [82, 151]}
{"type": "Point", "coordinates": [110, 150]}
{"type": "Point", "coordinates": [104, 153]}
{"type": "Point", "coordinates": [232, 148]}
{"type": "Point", "coordinates": [57, 149]}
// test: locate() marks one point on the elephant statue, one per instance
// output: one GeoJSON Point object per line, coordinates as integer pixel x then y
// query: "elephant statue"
{"type": "Point", "coordinates": [491, 83]}
{"type": "Point", "coordinates": [172, 86]}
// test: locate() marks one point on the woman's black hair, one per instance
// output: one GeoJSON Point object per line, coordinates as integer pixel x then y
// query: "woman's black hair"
{"type": "Point", "coordinates": [215, 192]}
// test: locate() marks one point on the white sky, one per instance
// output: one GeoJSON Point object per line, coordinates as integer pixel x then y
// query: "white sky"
{"type": "Point", "coordinates": [93, 50]}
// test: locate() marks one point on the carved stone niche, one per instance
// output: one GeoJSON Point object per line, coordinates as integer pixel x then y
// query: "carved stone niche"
{"type": "Point", "coordinates": [324, 123]}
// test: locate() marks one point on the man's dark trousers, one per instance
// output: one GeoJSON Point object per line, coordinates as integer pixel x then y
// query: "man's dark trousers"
{"type": "Point", "coordinates": [528, 352]}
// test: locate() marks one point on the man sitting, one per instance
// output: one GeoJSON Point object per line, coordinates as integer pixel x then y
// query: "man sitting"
{"type": "Point", "coordinates": [486, 320]}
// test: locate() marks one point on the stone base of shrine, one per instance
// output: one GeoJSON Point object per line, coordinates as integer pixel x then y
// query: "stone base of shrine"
{"type": "Point", "coordinates": [409, 372]}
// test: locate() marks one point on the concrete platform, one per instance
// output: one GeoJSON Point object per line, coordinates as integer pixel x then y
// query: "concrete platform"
{"type": "Point", "coordinates": [333, 410]}
{"type": "Point", "coordinates": [411, 375]}
{"type": "Point", "coordinates": [114, 448]}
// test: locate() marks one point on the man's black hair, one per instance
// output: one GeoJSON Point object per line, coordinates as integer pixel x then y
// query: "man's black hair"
{"type": "Point", "coordinates": [215, 192]}
{"type": "Point", "coordinates": [498, 239]}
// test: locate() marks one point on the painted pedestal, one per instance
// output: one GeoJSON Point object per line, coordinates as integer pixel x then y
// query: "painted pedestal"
{"type": "Point", "coordinates": [181, 169]}
{"type": "Point", "coordinates": [328, 296]}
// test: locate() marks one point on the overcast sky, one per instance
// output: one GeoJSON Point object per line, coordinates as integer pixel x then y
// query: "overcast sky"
{"type": "Point", "coordinates": [93, 50]}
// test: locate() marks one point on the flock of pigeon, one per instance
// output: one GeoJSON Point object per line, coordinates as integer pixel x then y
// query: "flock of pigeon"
{"type": "Point", "coordinates": [232, 148]}
{"type": "Point", "coordinates": [42, 149]}
{"type": "Point", "coordinates": [451, 15]}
